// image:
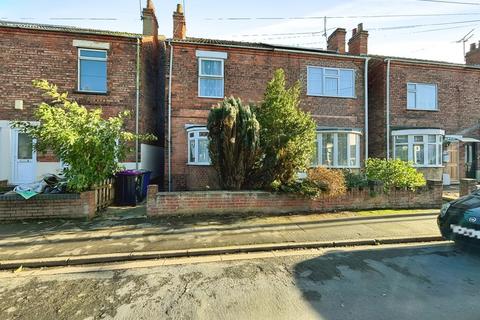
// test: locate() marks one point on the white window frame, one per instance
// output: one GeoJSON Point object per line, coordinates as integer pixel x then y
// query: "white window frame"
{"type": "Point", "coordinates": [196, 137]}
{"type": "Point", "coordinates": [319, 154]}
{"type": "Point", "coordinates": [309, 93]}
{"type": "Point", "coordinates": [411, 134]}
{"type": "Point", "coordinates": [201, 75]}
{"type": "Point", "coordinates": [416, 96]}
{"type": "Point", "coordinates": [91, 59]}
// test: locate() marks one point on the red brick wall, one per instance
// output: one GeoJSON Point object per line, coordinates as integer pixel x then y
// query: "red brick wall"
{"type": "Point", "coordinates": [33, 54]}
{"type": "Point", "coordinates": [247, 72]}
{"type": "Point", "coordinates": [42, 206]}
{"type": "Point", "coordinates": [458, 102]}
{"type": "Point", "coordinates": [257, 202]}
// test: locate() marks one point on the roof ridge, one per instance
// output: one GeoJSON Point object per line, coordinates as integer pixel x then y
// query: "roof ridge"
{"type": "Point", "coordinates": [64, 28]}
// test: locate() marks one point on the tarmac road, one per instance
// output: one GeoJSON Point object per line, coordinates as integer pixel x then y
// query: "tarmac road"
{"type": "Point", "coordinates": [427, 281]}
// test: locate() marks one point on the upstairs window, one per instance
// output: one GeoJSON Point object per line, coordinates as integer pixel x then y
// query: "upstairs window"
{"type": "Point", "coordinates": [330, 82]}
{"type": "Point", "coordinates": [421, 96]}
{"type": "Point", "coordinates": [211, 79]}
{"type": "Point", "coordinates": [92, 70]}
{"type": "Point", "coordinates": [198, 146]}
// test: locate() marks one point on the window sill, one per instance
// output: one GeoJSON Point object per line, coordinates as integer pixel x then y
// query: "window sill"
{"type": "Point", "coordinates": [203, 97]}
{"type": "Point", "coordinates": [198, 164]}
{"type": "Point", "coordinates": [324, 96]}
{"type": "Point", "coordinates": [418, 109]}
{"type": "Point", "coordinates": [91, 92]}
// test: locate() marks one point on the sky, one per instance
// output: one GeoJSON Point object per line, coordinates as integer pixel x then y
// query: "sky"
{"type": "Point", "coordinates": [424, 37]}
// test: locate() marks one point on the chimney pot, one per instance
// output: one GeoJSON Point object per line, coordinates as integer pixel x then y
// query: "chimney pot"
{"type": "Point", "coordinates": [150, 23]}
{"type": "Point", "coordinates": [179, 8]}
{"type": "Point", "coordinates": [360, 27]}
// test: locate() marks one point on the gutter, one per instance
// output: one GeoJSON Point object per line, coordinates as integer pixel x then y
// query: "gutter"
{"type": "Point", "coordinates": [169, 136]}
{"type": "Point", "coordinates": [137, 102]}
{"type": "Point", "coordinates": [387, 114]}
{"type": "Point", "coordinates": [320, 53]}
{"type": "Point", "coordinates": [366, 107]}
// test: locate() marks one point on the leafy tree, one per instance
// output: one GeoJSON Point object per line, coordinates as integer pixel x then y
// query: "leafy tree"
{"type": "Point", "coordinates": [394, 173]}
{"type": "Point", "coordinates": [287, 134]}
{"type": "Point", "coordinates": [88, 144]}
{"type": "Point", "coordinates": [234, 142]}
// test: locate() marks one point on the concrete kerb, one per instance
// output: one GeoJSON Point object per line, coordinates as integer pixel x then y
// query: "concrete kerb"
{"type": "Point", "coordinates": [120, 257]}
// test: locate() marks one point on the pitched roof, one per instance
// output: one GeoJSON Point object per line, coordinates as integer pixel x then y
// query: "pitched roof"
{"type": "Point", "coordinates": [424, 61]}
{"type": "Point", "coordinates": [257, 45]}
{"type": "Point", "coordinates": [69, 29]}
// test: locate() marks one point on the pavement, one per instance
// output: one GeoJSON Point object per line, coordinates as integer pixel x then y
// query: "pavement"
{"type": "Point", "coordinates": [420, 281]}
{"type": "Point", "coordinates": [129, 235]}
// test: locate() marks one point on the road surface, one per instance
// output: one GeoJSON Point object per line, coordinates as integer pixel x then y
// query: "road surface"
{"type": "Point", "coordinates": [428, 281]}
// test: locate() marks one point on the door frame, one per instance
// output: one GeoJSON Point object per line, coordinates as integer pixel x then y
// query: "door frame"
{"type": "Point", "coordinates": [14, 153]}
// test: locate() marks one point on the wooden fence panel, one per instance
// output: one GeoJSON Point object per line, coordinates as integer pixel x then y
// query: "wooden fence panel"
{"type": "Point", "coordinates": [104, 194]}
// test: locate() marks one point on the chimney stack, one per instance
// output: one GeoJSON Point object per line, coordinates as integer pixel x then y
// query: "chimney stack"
{"type": "Point", "coordinates": [358, 43]}
{"type": "Point", "coordinates": [473, 56]}
{"type": "Point", "coordinates": [179, 24]}
{"type": "Point", "coordinates": [336, 41]}
{"type": "Point", "coordinates": [150, 23]}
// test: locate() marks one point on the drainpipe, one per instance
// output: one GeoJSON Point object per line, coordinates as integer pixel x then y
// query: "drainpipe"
{"type": "Point", "coordinates": [169, 136]}
{"type": "Point", "coordinates": [366, 107]}
{"type": "Point", "coordinates": [137, 102]}
{"type": "Point", "coordinates": [387, 115]}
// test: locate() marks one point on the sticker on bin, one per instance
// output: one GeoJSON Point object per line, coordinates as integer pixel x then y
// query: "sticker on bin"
{"type": "Point", "coordinates": [467, 232]}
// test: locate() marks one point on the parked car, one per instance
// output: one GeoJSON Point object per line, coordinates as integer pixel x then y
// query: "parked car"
{"type": "Point", "coordinates": [459, 220]}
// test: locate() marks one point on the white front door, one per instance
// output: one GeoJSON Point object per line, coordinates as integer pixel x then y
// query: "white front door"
{"type": "Point", "coordinates": [24, 158]}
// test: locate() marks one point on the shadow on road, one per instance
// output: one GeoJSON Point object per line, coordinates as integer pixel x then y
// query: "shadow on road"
{"type": "Point", "coordinates": [435, 281]}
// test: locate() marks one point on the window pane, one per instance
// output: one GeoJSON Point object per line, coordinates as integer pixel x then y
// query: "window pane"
{"type": "Point", "coordinates": [211, 68]}
{"type": "Point", "coordinates": [331, 86]}
{"type": "Point", "coordinates": [411, 100]}
{"type": "Point", "coordinates": [418, 138]}
{"type": "Point", "coordinates": [315, 81]}
{"type": "Point", "coordinates": [331, 72]}
{"type": "Point", "coordinates": [426, 95]}
{"type": "Point", "coordinates": [432, 154]}
{"type": "Point", "coordinates": [192, 151]}
{"type": "Point", "coordinates": [353, 141]}
{"type": "Point", "coordinates": [342, 149]}
{"type": "Point", "coordinates": [401, 139]}
{"type": "Point", "coordinates": [347, 85]}
{"type": "Point", "coordinates": [93, 54]}
{"type": "Point", "coordinates": [419, 154]}
{"type": "Point", "coordinates": [93, 75]}
{"type": "Point", "coordinates": [401, 152]}
{"type": "Point", "coordinates": [25, 146]}
{"type": "Point", "coordinates": [203, 156]}
{"type": "Point", "coordinates": [327, 149]}
{"type": "Point", "coordinates": [411, 87]}
{"type": "Point", "coordinates": [211, 87]}
{"type": "Point", "coordinates": [432, 138]}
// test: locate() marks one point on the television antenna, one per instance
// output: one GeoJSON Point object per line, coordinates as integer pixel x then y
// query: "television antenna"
{"type": "Point", "coordinates": [465, 39]}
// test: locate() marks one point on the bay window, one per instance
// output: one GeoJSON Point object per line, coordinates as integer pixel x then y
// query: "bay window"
{"type": "Point", "coordinates": [422, 147]}
{"type": "Point", "coordinates": [198, 146]}
{"type": "Point", "coordinates": [337, 149]}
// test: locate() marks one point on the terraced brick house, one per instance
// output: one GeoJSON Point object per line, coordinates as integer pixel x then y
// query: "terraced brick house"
{"type": "Point", "coordinates": [427, 112]}
{"type": "Point", "coordinates": [97, 68]}
{"type": "Point", "coordinates": [201, 72]}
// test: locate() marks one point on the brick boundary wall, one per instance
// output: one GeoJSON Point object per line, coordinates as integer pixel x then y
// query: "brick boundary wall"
{"type": "Point", "coordinates": [259, 202]}
{"type": "Point", "coordinates": [42, 206]}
